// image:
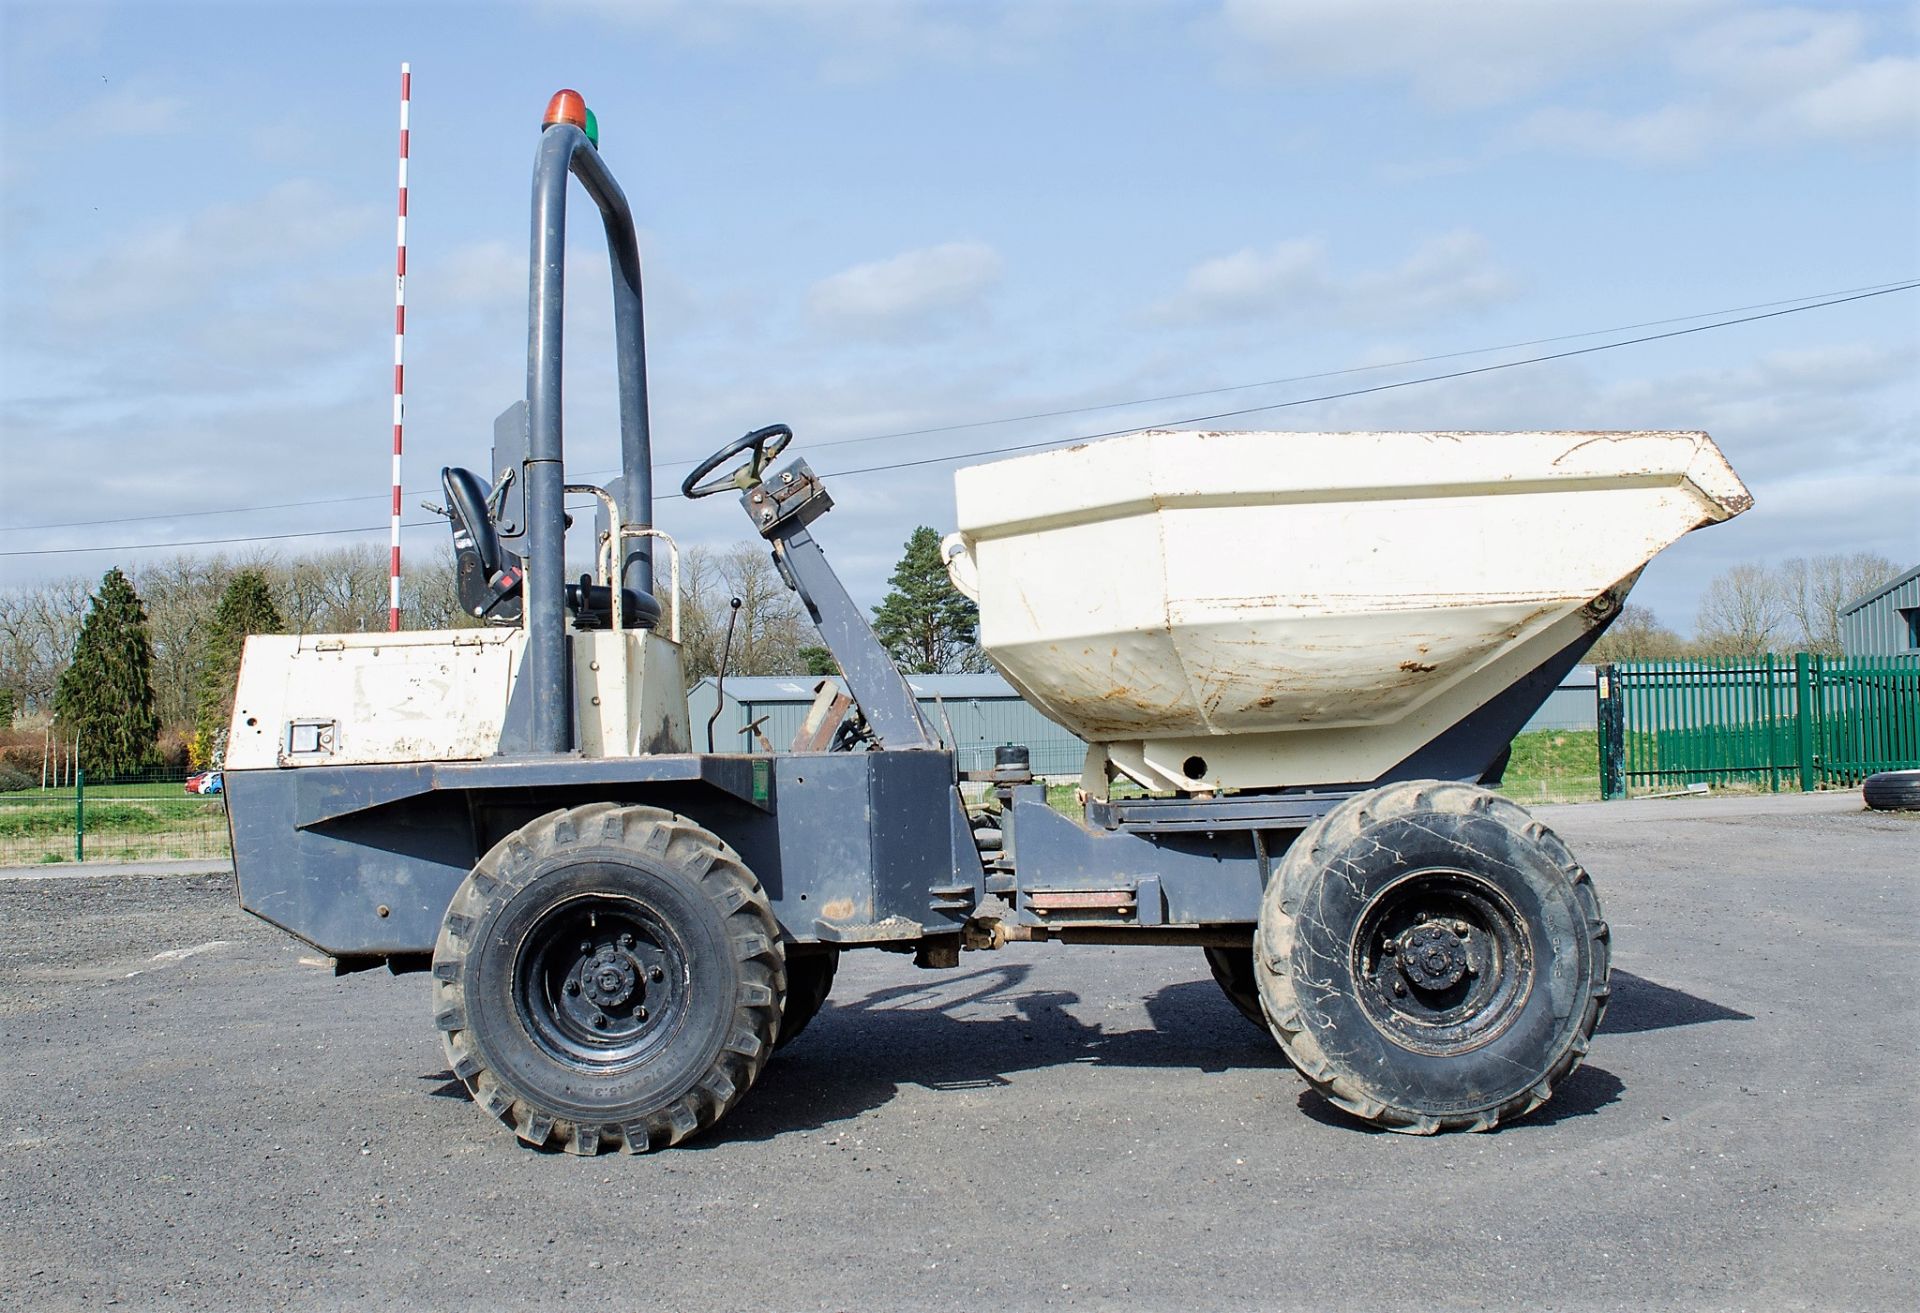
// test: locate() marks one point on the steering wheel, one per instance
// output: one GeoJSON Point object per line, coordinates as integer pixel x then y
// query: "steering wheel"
{"type": "Point", "coordinates": [765, 444]}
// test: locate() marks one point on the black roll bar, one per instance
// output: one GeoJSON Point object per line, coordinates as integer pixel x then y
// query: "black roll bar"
{"type": "Point", "coordinates": [565, 149]}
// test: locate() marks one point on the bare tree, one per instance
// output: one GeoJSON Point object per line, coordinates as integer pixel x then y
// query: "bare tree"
{"type": "Point", "coordinates": [1637, 635]}
{"type": "Point", "coordinates": [1817, 589]}
{"type": "Point", "coordinates": [771, 629]}
{"type": "Point", "coordinates": [1744, 612]}
{"type": "Point", "coordinates": [39, 625]}
{"type": "Point", "coordinates": [339, 591]}
{"type": "Point", "coordinates": [180, 593]}
{"type": "Point", "coordinates": [428, 599]}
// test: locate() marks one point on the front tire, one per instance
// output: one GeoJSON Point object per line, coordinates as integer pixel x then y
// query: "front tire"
{"type": "Point", "coordinates": [608, 976]}
{"type": "Point", "coordinates": [1431, 958]}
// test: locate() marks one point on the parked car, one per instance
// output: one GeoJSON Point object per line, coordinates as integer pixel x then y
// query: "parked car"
{"type": "Point", "coordinates": [206, 781]}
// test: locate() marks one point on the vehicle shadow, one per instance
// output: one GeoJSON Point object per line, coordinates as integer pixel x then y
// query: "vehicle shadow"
{"type": "Point", "coordinates": [1640, 1005]}
{"type": "Point", "coordinates": [858, 1055]}
{"type": "Point", "coordinates": [1582, 1094]}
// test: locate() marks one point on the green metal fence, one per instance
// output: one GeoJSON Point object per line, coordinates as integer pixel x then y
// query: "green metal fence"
{"type": "Point", "coordinates": [1800, 722]}
{"type": "Point", "coordinates": [146, 817]}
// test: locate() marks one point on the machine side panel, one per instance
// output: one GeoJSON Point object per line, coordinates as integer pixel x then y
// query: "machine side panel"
{"type": "Point", "coordinates": [913, 856]}
{"type": "Point", "coordinates": [327, 884]}
{"type": "Point", "coordinates": [853, 850]}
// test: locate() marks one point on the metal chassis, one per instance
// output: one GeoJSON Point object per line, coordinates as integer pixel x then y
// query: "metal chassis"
{"type": "Point", "coordinates": [871, 848]}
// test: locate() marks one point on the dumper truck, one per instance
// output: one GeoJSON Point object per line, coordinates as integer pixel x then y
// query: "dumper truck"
{"type": "Point", "coordinates": [1298, 660]}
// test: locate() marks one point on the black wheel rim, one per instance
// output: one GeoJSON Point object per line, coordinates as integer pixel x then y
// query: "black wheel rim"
{"type": "Point", "coordinates": [600, 983]}
{"type": "Point", "coordinates": [1443, 960]}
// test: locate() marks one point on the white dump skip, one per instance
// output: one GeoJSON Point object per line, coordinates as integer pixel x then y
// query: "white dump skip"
{"type": "Point", "coordinates": [1265, 609]}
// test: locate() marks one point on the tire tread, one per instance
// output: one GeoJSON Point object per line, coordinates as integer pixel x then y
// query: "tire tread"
{"type": "Point", "coordinates": [707, 861]}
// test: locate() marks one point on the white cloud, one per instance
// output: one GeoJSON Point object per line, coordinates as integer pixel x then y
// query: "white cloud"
{"type": "Point", "coordinates": [177, 262]}
{"type": "Point", "coordinates": [132, 111]}
{"type": "Point", "coordinates": [1456, 56]}
{"type": "Point", "coordinates": [1876, 99]}
{"type": "Point", "coordinates": [857, 40]}
{"type": "Point", "coordinates": [1448, 274]}
{"type": "Point", "coordinates": [1764, 78]}
{"type": "Point", "coordinates": [1640, 80]}
{"type": "Point", "coordinates": [915, 289]}
{"type": "Point", "coordinates": [488, 273]}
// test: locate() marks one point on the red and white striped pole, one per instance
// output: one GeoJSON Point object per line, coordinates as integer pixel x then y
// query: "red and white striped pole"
{"type": "Point", "coordinates": [399, 343]}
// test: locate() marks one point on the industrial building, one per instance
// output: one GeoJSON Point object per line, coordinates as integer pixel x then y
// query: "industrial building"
{"type": "Point", "coordinates": [974, 714]}
{"type": "Point", "coordinates": [1886, 622]}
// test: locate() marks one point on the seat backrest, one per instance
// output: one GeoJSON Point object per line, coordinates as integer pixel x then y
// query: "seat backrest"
{"type": "Point", "coordinates": [472, 526]}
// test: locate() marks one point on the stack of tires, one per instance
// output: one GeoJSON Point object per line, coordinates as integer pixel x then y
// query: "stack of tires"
{"type": "Point", "coordinates": [1893, 791]}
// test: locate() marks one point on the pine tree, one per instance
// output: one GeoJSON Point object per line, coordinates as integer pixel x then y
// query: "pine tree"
{"type": "Point", "coordinates": [105, 696]}
{"type": "Point", "coordinates": [927, 624]}
{"type": "Point", "coordinates": [246, 607]}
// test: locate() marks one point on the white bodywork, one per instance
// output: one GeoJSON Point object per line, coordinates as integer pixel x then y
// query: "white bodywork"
{"type": "Point", "coordinates": [441, 695]}
{"type": "Point", "coordinates": [1241, 610]}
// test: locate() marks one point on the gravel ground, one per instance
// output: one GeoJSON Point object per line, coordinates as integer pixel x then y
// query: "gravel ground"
{"type": "Point", "coordinates": [198, 1114]}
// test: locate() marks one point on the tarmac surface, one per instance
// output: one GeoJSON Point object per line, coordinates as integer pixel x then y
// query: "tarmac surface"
{"type": "Point", "coordinates": [198, 1114]}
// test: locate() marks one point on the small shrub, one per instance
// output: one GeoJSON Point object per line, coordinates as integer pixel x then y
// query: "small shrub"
{"type": "Point", "coordinates": [12, 778]}
{"type": "Point", "coordinates": [174, 750]}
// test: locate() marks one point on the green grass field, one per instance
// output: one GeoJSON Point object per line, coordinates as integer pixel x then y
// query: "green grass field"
{"type": "Point", "coordinates": [1554, 765]}
{"type": "Point", "coordinates": [159, 820]}
{"type": "Point", "coordinates": [124, 822]}
{"type": "Point", "coordinates": [1546, 766]}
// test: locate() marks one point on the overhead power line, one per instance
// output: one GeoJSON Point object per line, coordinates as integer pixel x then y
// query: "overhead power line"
{"type": "Point", "coordinates": [1791, 307]}
{"type": "Point", "coordinates": [1897, 285]}
{"type": "Point", "coordinates": [1366, 391]}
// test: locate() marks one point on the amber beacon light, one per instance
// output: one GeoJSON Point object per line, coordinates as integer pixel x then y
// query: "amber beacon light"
{"type": "Point", "coordinates": [567, 106]}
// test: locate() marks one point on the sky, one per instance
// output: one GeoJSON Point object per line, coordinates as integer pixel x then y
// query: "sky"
{"type": "Point", "coordinates": [873, 220]}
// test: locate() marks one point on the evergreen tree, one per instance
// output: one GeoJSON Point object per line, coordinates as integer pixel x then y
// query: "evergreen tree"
{"type": "Point", "coordinates": [926, 623]}
{"type": "Point", "coordinates": [105, 697]}
{"type": "Point", "coordinates": [818, 660]}
{"type": "Point", "coordinates": [246, 607]}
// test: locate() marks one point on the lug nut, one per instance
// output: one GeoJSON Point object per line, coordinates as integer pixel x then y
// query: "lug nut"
{"type": "Point", "coordinates": [573, 987]}
{"type": "Point", "coordinates": [1400, 988]}
{"type": "Point", "coordinates": [1390, 948]}
{"type": "Point", "coordinates": [656, 975]}
{"type": "Point", "coordinates": [1461, 928]}
{"type": "Point", "coordinates": [626, 941]}
{"type": "Point", "coordinates": [585, 947]}
{"type": "Point", "coordinates": [640, 1014]}
{"type": "Point", "coordinates": [600, 1020]}
{"type": "Point", "coordinates": [1420, 918]}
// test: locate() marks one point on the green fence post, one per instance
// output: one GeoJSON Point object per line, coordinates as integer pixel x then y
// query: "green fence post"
{"type": "Point", "coordinates": [1612, 722]}
{"type": "Point", "coordinates": [1803, 716]}
{"type": "Point", "coordinates": [79, 816]}
{"type": "Point", "coordinates": [1769, 716]}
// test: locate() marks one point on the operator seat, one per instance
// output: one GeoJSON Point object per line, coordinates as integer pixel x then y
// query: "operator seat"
{"type": "Point", "coordinates": [488, 583]}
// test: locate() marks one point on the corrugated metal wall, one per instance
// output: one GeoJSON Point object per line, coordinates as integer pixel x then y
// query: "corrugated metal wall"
{"type": "Point", "coordinates": [974, 714]}
{"type": "Point", "coordinates": [1885, 626]}
{"type": "Point", "coordinates": [1571, 706]}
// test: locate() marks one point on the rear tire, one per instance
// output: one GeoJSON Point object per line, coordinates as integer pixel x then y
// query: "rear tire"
{"type": "Point", "coordinates": [810, 973]}
{"type": "Point", "coordinates": [1431, 958]}
{"type": "Point", "coordinates": [1892, 791]}
{"type": "Point", "coordinates": [608, 976]}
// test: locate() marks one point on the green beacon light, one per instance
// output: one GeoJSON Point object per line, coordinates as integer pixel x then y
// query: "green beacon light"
{"type": "Point", "coordinates": [592, 129]}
